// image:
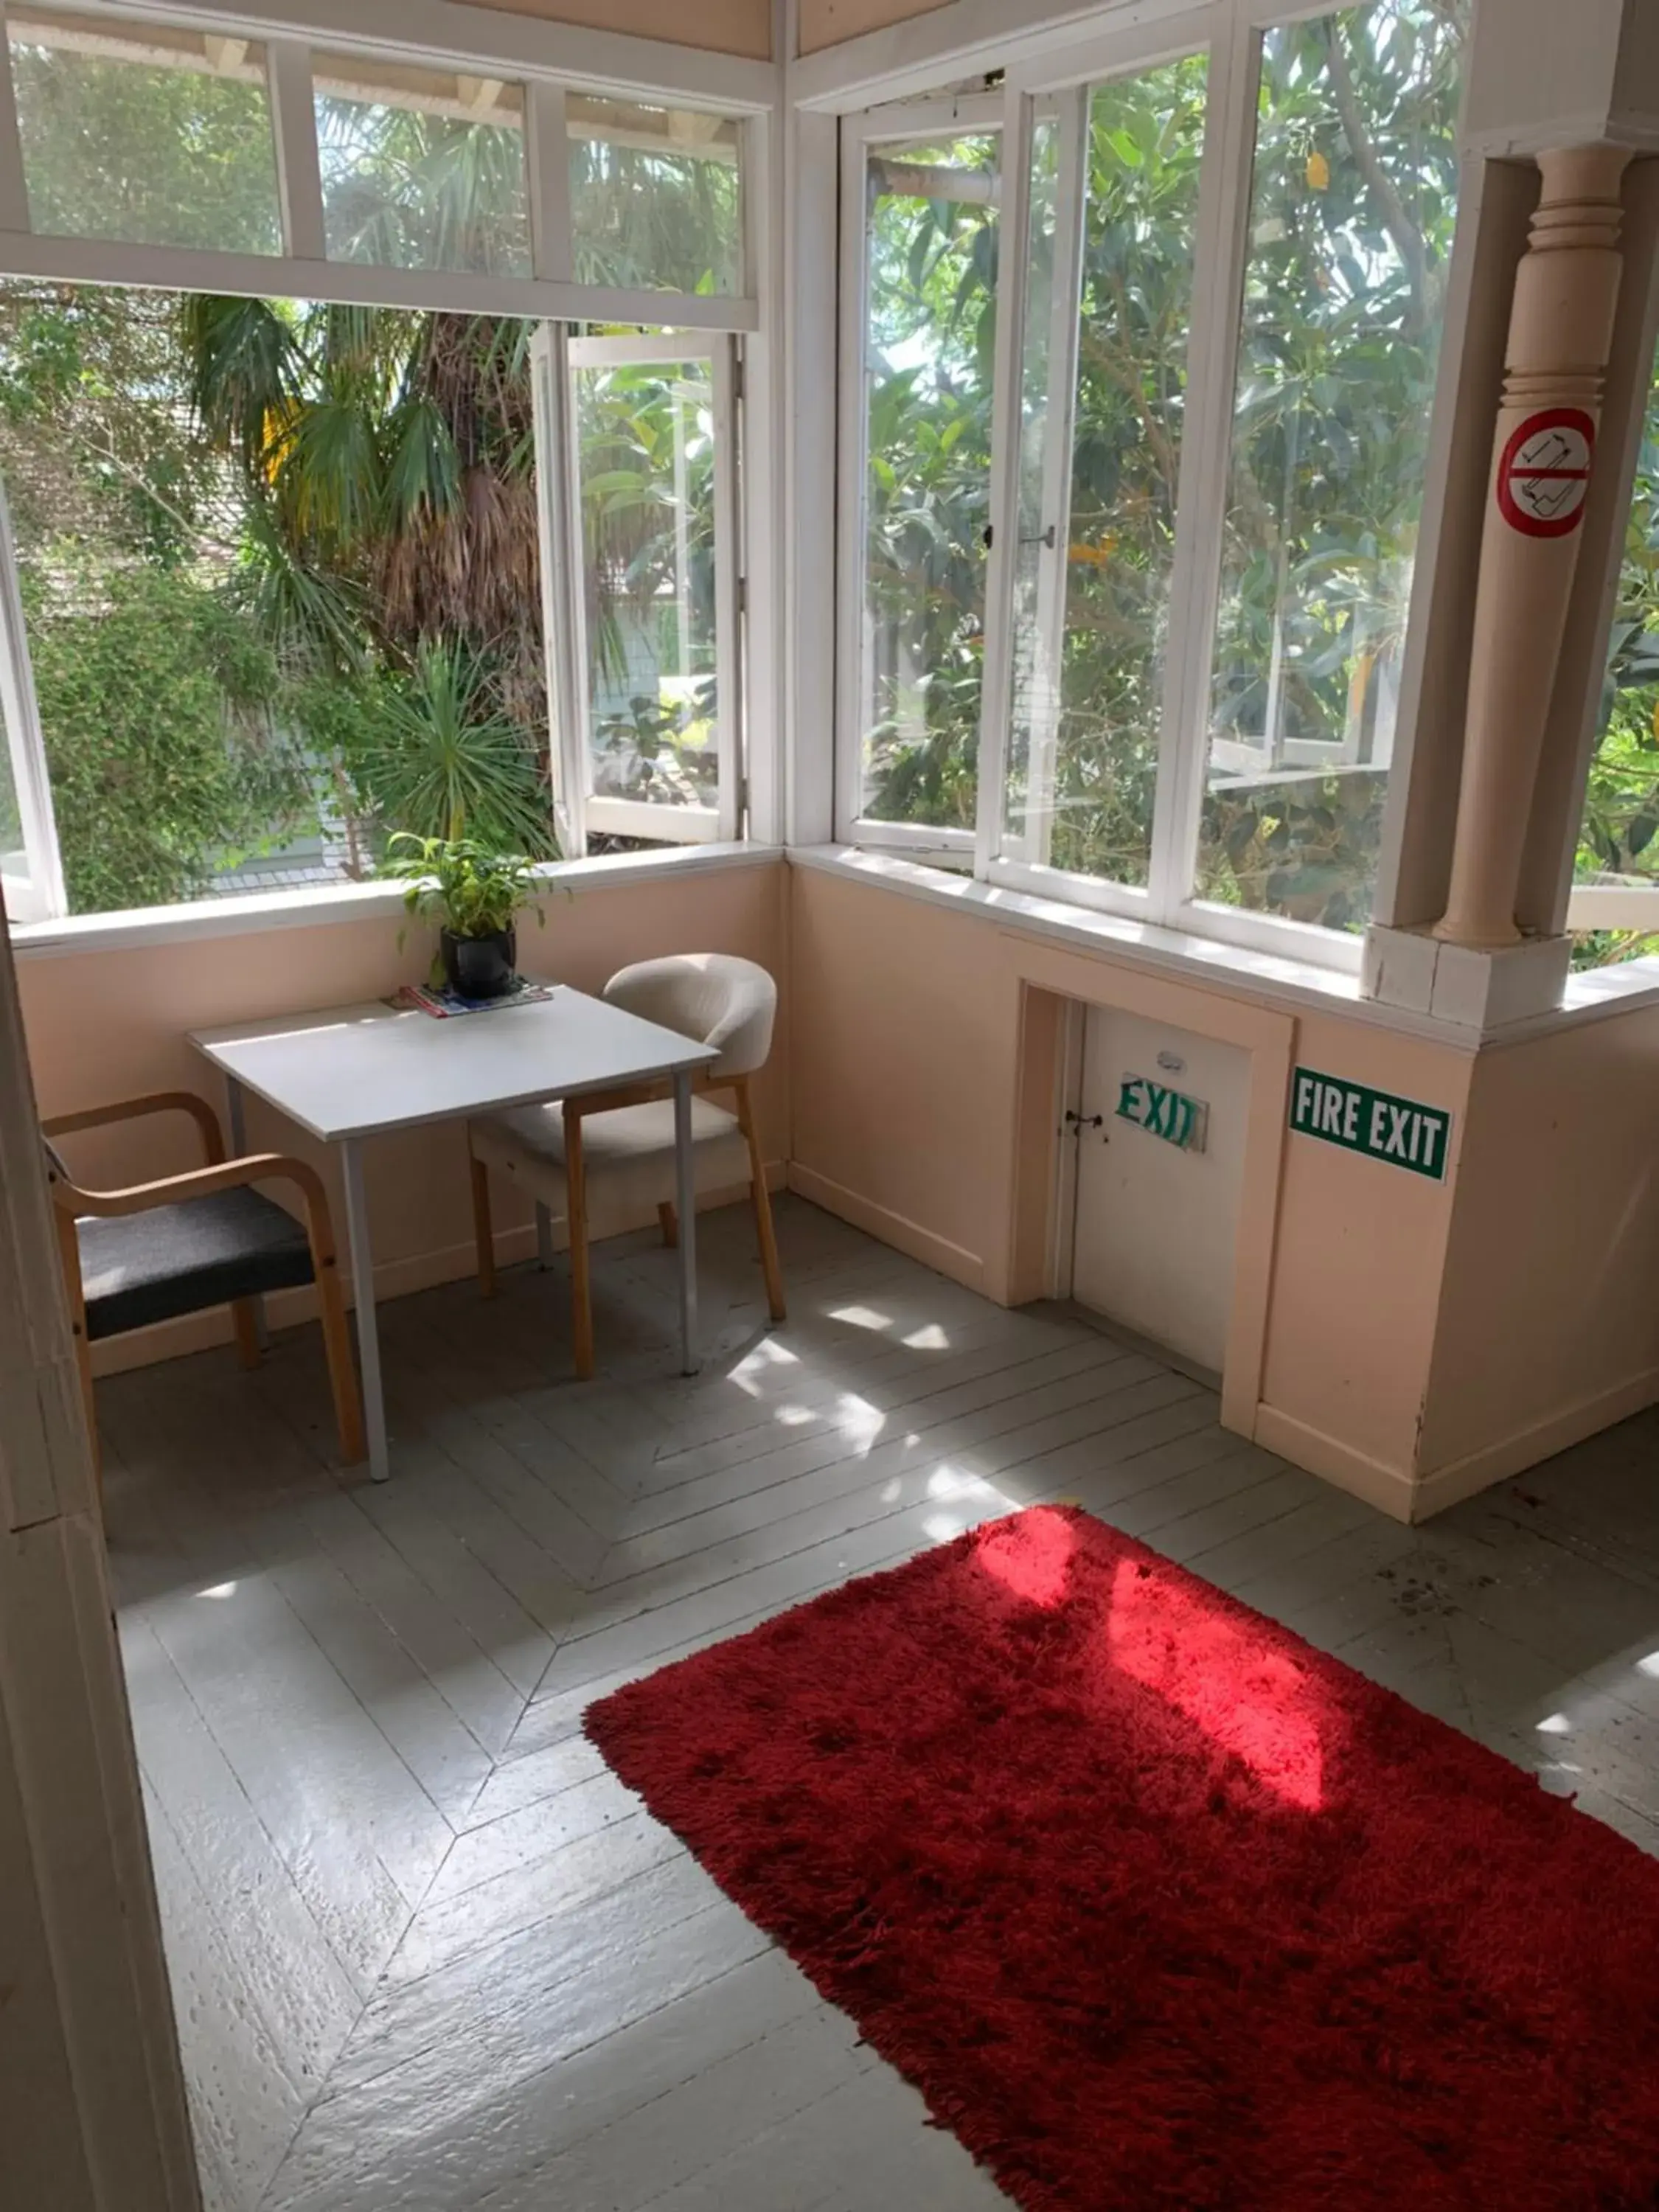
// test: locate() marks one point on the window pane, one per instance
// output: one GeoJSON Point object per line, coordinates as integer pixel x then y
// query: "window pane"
{"type": "Point", "coordinates": [150, 135]}
{"type": "Point", "coordinates": [1098, 467]}
{"type": "Point", "coordinates": [422, 168]}
{"type": "Point", "coordinates": [930, 339]}
{"type": "Point", "coordinates": [280, 576]}
{"type": "Point", "coordinates": [655, 196]}
{"type": "Point", "coordinates": [1619, 834]}
{"type": "Point", "coordinates": [646, 464]}
{"type": "Point", "coordinates": [1352, 214]}
{"type": "Point", "coordinates": [16, 890]}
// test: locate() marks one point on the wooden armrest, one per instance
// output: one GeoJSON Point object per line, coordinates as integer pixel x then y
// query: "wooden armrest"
{"type": "Point", "coordinates": [134, 1109]}
{"type": "Point", "coordinates": [202, 1182]}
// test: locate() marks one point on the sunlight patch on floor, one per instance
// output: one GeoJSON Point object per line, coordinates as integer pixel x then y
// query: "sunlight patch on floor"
{"type": "Point", "coordinates": [858, 1421]}
{"type": "Point", "coordinates": [860, 1316]}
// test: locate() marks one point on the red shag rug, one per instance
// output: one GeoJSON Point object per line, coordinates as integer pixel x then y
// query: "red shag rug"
{"type": "Point", "coordinates": [1159, 1906]}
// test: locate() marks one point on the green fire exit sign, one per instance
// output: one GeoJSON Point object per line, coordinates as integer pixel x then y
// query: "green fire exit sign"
{"type": "Point", "coordinates": [1400, 1131]}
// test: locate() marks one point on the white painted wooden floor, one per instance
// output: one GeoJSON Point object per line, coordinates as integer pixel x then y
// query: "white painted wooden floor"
{"type": "Point", "coordinates": [429, 1954]}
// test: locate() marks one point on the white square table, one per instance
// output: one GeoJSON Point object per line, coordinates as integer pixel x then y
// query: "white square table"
{"type": "Point", "coordinates": [352, 1072]}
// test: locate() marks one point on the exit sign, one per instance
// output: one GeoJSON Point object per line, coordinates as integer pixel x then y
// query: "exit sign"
{"type": "Point", "coordinates": [1399, 1131]}
{"type": "Point", "coordinates": [1168, 1114]}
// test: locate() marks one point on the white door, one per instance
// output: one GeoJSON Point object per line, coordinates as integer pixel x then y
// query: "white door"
{"type": "Point", "coordinates": [1158, 1178]}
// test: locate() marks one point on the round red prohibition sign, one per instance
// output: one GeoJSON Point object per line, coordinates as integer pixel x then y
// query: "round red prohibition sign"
{"type": "Point", "coordinates": [1543, 476]}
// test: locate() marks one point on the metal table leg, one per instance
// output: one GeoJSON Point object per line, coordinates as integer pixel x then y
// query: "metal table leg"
{"type": "Point", "coordinates": [363, 1283]}
{"type": "Point", "coordinates": [686, 1185]}
{"type": "Point", "coordinates": [236, 1113]}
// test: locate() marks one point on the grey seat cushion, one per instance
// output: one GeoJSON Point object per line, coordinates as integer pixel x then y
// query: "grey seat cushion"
{"type": "Point", "coordinates": [137, 1269]}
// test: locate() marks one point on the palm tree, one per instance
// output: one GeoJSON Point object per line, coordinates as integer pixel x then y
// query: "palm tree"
{"type": "Point", "coordinates": [384, 461]}
{"type": "Point", "coordinates": [386, 458]}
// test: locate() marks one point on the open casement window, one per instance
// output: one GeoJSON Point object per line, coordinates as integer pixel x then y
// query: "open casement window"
{"type": "Point", "coordinates": [1095, 433]}
{"type": "Point", "coordinates": [31, 872]}
{"type": "Point", "coordinates": [643, 617]}
{"type": "Point", "coordinates": [1139, 362]}
{"type": "Point", "coordinates": [921, 187]}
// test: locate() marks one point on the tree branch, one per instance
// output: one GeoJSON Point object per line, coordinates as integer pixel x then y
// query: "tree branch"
{"type": "Point", "coordinates": [108, 454]}
{"type": "Point", "coordinates": [1396, 217]}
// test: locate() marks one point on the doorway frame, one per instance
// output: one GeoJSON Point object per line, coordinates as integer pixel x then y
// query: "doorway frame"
{"type": "Point", "coordinates": [1052, 982]}
{"type": "Point", "coordinates": [93, 2114]}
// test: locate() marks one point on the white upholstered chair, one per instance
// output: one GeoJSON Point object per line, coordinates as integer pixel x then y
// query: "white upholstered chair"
{"type": "Point", "coordinates": [621, 1146]}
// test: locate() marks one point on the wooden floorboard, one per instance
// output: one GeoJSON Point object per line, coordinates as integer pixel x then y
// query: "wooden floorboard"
{"type": "Point", "coordinates": [430, 1954]}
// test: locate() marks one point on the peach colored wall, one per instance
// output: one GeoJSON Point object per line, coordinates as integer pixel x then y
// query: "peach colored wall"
{"type": "Point", "coordinates": [903, 1076]}
{"type": "Point", "coordinates": [907, 1083]}
{"type": "Point", "coordinates": [827, 22]}
{"type": "Point", "coordinates": [725, 26]}
{"type": "Point", "coordinates": [1548, 1327]}
{"type": "Point", "coordinates": [1357, 1271]}
{"type": "Point", "coordinates": [1412, 1340]}
{"type": "Point", "coordinates": [104, 1025]}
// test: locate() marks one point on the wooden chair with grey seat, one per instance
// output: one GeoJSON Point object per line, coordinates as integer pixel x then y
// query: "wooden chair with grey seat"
{"type": "Point", "coordinates": [620, 1144]}
{"type": "Point", "coordinates": [157, 1251]}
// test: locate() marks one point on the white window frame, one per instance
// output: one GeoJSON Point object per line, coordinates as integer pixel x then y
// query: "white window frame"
{"type": "Point", "coordinates": [548, 61]}
{"type": "Point", "coordinates": [910, 123]}
{"type": "Point", "coordinates": [547, 294]}
{"type": "Point", "coordinates": [1059, 85]}
{"type": "Point", "coordinates": [36, 892]}
{"type": "Point", "coordinates": [580, 812]}
{"type": "Point", "coordinates": [1049, 77]}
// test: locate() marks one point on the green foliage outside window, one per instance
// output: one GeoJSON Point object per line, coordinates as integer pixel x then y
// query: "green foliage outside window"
{"type": "Point", "coordinates": [145, 152]}
{"type": "Point", "coordinates": [653, 218]}
{"type": "Point", "coordinates": [645, 487]}
{"type": "Point", "coordinates": [158, 705]}
{"type": "Point", "coordinates": [1353, 212]}
{"type": "Point", "coordinates": [1621, 807]}
{"type": "Point", "coordinates": [932, 338]}
{"type": "Point", "coordinates": [1145, 141]}
{"type": "Point", "coordinates": [1351, 219]}
{"type": "Point", "coordinates": [407, 189]}
{"type": "Point", "coordinates": [312, 531]}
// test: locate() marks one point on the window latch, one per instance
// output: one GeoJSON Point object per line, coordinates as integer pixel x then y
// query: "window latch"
{"type": "Point", "coordinates": [1082, 1122]}
{"type": "Point", "coordinates": [1044, 538]}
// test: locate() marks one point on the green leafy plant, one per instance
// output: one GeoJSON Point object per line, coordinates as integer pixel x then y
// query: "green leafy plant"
{"type": "Point", "coordinates": [472, 890]}
{"type": "Point", "coordinates": [442, 757]}
{"type": "Point", "coordinates": [1353, 190]}
{"type": "Point", "coordinates": [167, 760]}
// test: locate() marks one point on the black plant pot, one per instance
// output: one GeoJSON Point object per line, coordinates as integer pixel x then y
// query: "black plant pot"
{"type": "Point", "coordinates": [480, 967]}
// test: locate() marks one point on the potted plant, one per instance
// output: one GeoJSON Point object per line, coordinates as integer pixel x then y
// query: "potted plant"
{"type": "Point", "coordinates": [474, 892]}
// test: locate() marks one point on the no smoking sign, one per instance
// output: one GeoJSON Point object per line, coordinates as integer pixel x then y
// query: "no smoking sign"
{"type": "Point", "coordinates": [1543, 473]}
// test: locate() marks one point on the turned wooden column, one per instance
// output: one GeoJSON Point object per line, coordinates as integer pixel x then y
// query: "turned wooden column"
{"type": "Point", "coordinates": [1566, 289]}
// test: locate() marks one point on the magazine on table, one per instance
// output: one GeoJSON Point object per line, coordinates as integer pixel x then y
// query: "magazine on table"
{"type": "Point", "coordinates": [439, 1001]}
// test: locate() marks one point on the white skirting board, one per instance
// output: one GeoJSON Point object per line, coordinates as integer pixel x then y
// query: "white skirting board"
{"type": "Point", "coordinates": [895, 1229]}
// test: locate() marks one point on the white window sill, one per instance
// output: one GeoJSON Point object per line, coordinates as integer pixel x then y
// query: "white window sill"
{"type": "Point", "coordinates": [334, 903]}
{"type": "Point", "coordinates": [1209, 963]}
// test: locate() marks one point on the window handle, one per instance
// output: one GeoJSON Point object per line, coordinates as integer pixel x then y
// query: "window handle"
{"type": "Point", "coordinates": [1049, 538]}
